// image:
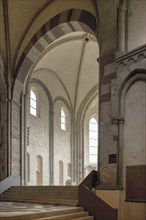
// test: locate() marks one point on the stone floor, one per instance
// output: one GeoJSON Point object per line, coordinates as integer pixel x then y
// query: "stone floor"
{"type": "Point", "coordinates": [15, 208]}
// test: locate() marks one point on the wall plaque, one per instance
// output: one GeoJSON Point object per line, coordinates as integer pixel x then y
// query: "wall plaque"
{"type": "Point", "coordinates": [136, 183]}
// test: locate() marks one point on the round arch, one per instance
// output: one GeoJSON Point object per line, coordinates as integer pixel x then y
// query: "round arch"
{"type": "Point", "coordinates": [129, 80]}
{"type": "Point", "coordinates": [80, 116]}
{"type": "Point", "coordinates": [77, 20]}
{"type": "Point", "coordinates": [133, 77]}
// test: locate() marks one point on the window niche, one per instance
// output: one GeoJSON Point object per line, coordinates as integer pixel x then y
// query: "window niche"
{"type": "Point", "coordinates": [63, 119]}
{"type": "Point", "coordinates": [34, 102]}
{"type": "Point", "coordinates": [93, 141]}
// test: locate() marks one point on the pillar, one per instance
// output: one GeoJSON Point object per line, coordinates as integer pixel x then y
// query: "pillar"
{"type": "Point", "coordinates": [121, 27]}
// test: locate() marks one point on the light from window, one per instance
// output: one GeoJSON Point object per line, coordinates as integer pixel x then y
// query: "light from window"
{"type": "Point", "coordinates": [33, 103]}
{"type": "Point", "coordinates": [93, 140]}
{"type": "Point", "coordinates": [63, 120]}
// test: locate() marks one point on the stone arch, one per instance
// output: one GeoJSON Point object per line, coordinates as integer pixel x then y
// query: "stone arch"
{"type": "Point", "coordinates": [80, 116]}
{"type": "Point", "coordinates": [73, 20]}
{"type": "Point", "coordinates": [66, 103]}
{"type": "Point", "coordinates": [30, 77]}
{"type": "Point", "coordinates": [86, 102]}
{"type": "Point", "coordinates": [128, 83]}
{"type": "Point", "coordinates": [47, 92]}
{"type": "Point", "coordinates": [67, 106]}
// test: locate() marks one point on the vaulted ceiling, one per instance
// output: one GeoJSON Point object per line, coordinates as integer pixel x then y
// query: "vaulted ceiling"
{"type": "Point", "coordinates": [69, 68]}
{"type": "Point", "coordinates": [57, 36]}
{"type": "Point", "coordinates": [20, 20]}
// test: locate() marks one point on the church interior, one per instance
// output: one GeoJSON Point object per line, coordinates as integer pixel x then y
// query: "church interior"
{"type": "Point", "coordinates": [73, 109]}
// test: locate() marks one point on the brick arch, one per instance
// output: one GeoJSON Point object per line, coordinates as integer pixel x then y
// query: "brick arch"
{"type": "Point", "coordinates": [66, 22]}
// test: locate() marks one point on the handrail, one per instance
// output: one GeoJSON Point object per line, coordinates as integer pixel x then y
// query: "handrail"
{"type": "Point", "coordinates": [91, 202]}
{"type": "Point", "coordinates": [90, 180]}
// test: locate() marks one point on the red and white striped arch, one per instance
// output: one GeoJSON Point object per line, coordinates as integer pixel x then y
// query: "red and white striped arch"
{"type": "Point", "coordinates": [66, 22]}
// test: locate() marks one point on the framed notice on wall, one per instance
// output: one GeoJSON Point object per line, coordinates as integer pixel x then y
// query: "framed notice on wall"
{"type": "Point", "coordinates": [136, 183]}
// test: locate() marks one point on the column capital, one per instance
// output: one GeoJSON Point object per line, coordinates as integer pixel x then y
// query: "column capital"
{"type": "Point", "coordinates": [117, 120]}
{"type": "Point", "coordinates": [121, 120]}
{"type": "Point", "coordinates": [114, 120]}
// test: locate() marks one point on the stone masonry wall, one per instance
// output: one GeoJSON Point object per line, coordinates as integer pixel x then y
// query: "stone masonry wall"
{"type": "Point", "coordinates": [62, 146]}
{"type": "Point", "coordinates": [38, 140]}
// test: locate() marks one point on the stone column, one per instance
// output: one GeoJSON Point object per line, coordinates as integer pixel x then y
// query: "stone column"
{"type": "Point", "coordinates": [80, 155]}
{"type": "Point", "coordinates": [119, 122]}
{"type": "Point", "coordinates": [15, 139]}
{"type": "Point", "coordinates": [74, 161]}
{"type": "Point", "coordinates": [9, 121]}
{"type": "Point", "coordinates": [3, 138]}
{"type": "Point", "coordinates": [121, 27]}
{"type": "Point", "coordinates": [51, 146]}
{"type": "Point", "coordinates": [24, 138]}
{"type": "Point", "coordinates": [15, 129]}
{"type": "Point", "coordinates": [120, 151]}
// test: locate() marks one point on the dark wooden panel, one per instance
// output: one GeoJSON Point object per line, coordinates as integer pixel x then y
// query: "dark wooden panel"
{"type": "Point", "coordinates": [136, 183]}
{"type": "Point", "coordinates": [112, 158]}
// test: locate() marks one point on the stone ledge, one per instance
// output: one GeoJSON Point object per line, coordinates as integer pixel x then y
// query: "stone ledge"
{"type": "Point", "coordinates": [131, 57]}
{"type": "Point", "coordinates": [109, 187]}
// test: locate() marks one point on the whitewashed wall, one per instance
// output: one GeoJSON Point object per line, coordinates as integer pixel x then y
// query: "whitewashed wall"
{"type": "Point", "coordinates": [62, 148]}
{"type": "Point", "coordinates": [136, 23]}
{"type": "Point", "coordinates": [39, 138]}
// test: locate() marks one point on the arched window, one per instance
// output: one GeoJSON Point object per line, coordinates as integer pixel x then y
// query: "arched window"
{"type": "Point", "coordinates": [63, 119]}
{"type": "Point", "coordinates": [93, 140]}
{"type": "Point", "coordinates": [33, 103]}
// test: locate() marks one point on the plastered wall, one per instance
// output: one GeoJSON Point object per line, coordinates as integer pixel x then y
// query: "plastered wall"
{"type": "Point", "coordinates": [136, 23]}
{"type": "Point", "coordinates": [134, 145]}
{"type": "Point", "coordinates": [62, 145]}
{"type": "Point", "coordinates": [38, 143]}
{"type": "Point", "coordinates": [134, 136]}
{"type": "Point", "coordinates": [92, 111]}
